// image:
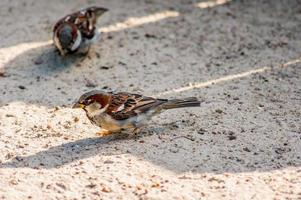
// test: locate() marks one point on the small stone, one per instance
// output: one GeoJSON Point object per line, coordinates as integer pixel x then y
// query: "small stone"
{"type": "Point", "coordinates": [108, 162]}
{"type": "Point", "coordinates": [13, 182]}
{"type": "Point", "coordinates": [9, 156]}
{"type": "Point", "coordinates": [148, 35]}
{"type": "Point", "coordinates": [201, 131]}
{"type": "Point", "coordinates": [89, 83]}
{"type": "Point", "coordinates": [232, 137]}
{"type": "Point", "coordinates": [91, 186]}
{"type": "Point", "coordinates": [38, 61]}
{"type": "Point", "coordinates": [2, 73]}
{"type": "Point", "coordinates": [61, 185]}
{"type": "Point", "coordinates": [219, 111]}
{"type": "Point", "coordinates": [105, 67]}
{"type": "Point", "coordinates": [21, 87]}
{"type": "Point", "coordinates": [174, 150]}
{"type": "Point", "coordinates": [75, 119]}
{"type": "Point", "coordinates": [246, 149]}
{"type": "Point", "coordinates": [231, 133]}
{"type": "Point", "coordinates": [106, 189]}
{"type": "Point", "coordinates": [122, 63]}
{"type": "Point", "coordinates": [155, 185]}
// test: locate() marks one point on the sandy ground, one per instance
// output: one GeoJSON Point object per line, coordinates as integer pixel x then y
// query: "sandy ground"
{"type": "Point", "coordinates": [241, 58]}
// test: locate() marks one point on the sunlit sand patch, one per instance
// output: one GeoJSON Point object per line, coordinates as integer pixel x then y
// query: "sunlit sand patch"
{"type": "Point", "coordinates": [210, 4]}
{"type": "Point", "coordinates": [138, 21]}
{"type": "Point", "coordinates": [197, 85]}
{"type": "Point", "coordinates": [9, 53]}
{"type": "Point", "coordinates": [291, 62]}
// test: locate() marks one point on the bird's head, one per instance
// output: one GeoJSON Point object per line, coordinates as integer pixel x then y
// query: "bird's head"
{"type": "Point", "coordinates": [67, 38]}
{"type": "Point", "coordinates": [94, 102]}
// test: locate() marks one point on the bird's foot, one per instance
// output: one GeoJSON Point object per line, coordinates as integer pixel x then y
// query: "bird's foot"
{"type": "Point", "coordinates": [103, 133]}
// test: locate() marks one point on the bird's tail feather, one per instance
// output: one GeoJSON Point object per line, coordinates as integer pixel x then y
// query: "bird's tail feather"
{"type": "Point", "coordinates": [181, 103]}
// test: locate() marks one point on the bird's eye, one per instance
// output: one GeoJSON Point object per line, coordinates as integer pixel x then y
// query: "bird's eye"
{"type": "Point", "coordinates": [88, 101]}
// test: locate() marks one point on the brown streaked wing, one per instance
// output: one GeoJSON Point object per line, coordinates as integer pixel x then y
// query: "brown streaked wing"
{"type": "Point", "coordinates": [117, 100]}
{"type": "Point", "coordinates": [68, 18]}
{"type": "Point", "coordinates": [133, 104]}
{"type": "Point", "coordinates": [82, 19]}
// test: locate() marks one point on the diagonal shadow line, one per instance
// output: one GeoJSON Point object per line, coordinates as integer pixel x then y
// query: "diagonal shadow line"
{"type": "Point", "coordinates": [197, 85]}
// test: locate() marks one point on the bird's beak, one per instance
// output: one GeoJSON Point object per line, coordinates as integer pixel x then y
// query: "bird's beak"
{"type": "Point", "coordinates": [99, 11]}
{"type": "Point", "coordinates": [78, 105]}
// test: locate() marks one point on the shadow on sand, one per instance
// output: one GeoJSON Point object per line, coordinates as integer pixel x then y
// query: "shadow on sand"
{"type": "Point", "coordinates": [41, 66]}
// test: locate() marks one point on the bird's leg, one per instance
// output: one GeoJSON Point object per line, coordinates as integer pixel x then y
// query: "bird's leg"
{"type": "Point", "coordinates": [126, 133]}
{"type": "Point", "coordinates": [103, 132]}
{"type": "Point", "coordinates": [122, 134]}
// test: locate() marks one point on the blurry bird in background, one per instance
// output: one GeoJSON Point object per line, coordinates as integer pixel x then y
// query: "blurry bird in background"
{"type": "Point", "coordinates": [76, 32]}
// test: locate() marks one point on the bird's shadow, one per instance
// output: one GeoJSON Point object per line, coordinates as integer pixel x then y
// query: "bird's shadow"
{"type": "Point", "coordinates": [37, 72]}
{"type": "Point", "coordinates": [60, 155]}
{"type": "Point", "coordinates": [178, 154]}
{"type": "Point", "coordinates": [66, 153]}
{"type": "Point", "coordinates": [44, 61]}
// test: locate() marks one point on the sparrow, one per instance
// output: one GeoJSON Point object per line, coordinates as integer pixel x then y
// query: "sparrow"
{"type": "Point", "coordinates": [118, 112]}
{"type": "Point", "coordinates": [76, 32]}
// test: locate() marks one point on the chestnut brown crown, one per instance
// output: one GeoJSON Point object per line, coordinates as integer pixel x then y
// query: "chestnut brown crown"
{"type": "Point", "coordinates": [102, 98]}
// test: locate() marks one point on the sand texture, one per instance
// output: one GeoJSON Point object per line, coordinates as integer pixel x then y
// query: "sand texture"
{"type": "Point", "coordinates": [241, 58]}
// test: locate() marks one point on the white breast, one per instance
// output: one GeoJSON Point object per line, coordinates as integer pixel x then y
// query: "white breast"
{"type": "Point", "coordinates": [77, 41]}
{"type": "Point", "coordinates": [107, 122]}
